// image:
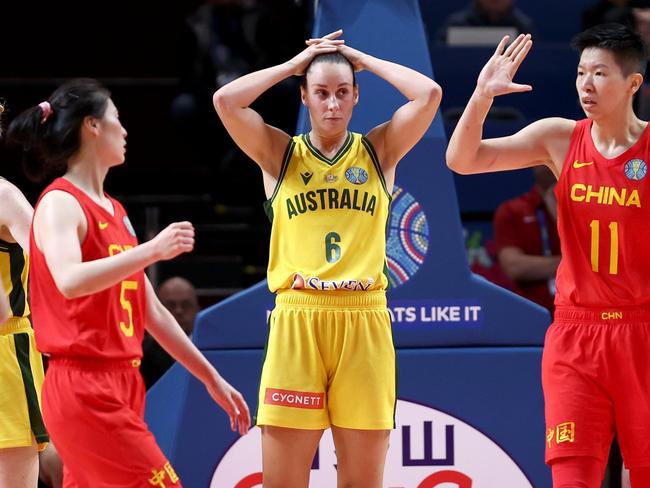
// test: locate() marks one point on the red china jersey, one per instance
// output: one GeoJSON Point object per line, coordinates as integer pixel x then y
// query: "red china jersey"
{"type": "Point", "coordinates": [604, 224]}
{"type": "Point", "coordinates": [106, 324]}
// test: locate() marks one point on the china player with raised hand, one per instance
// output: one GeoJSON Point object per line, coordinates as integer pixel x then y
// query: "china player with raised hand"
{"type": "Point", "coordinates": [330, 360]}
{"type": "Point", "coordinates": [91, 300]}
{"type": "Point", "coordinates": [595, 366]}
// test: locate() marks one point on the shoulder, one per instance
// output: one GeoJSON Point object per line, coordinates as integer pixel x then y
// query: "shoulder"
{"type": "Point", "coordinates": [9, 191]}
{"type": "Point", "coordinates": [60, 206]}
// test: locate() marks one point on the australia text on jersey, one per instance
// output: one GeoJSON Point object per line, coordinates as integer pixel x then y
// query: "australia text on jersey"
{"type": "Point", "coordinates": [330, 198]}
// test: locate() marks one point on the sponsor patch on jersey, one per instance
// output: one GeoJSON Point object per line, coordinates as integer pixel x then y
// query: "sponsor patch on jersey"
{"type": "Point", "coordinates": [356, 175]}
{"type": "Point", "coordinates": [301, 282]}
{"type": "Point", "coordinates": [129, 227]}
{"type": "Point", "coordinates": [635, 169]}
{"type": "Point", "coordinates": [295, 399]}
{"type": "Point", "coordinates": [330, 178]}
{"type": "Point", "coordinates": [306, 176]}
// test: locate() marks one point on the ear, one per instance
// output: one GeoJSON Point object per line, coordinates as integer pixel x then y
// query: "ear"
{"type": "Point", "coordinates": [91, 124]}
{"type": "Point", "coordinates": [303, 95]}
{"type": "Point", "coordinates": [637, 81]}
{"type": "Point", "coordinates": [356, 94]}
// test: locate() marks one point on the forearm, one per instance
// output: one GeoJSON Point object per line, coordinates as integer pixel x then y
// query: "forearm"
{"type": "Point", "coordinates": [526, 267]}
{"type": "Point", "coordinates": [464, 143]}
{"type": "Point", "coordinates": [85, 278]}
{"type": "Point", "coordinates": [242, 92]}
{"type": "Point", "coordinates": [164, 328]}
{"type": "Point", "coordinates": [413, 85]}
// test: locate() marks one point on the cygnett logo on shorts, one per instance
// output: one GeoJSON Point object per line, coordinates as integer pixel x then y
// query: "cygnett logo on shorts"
{"type": "Point", "coordinates": [296, 399]}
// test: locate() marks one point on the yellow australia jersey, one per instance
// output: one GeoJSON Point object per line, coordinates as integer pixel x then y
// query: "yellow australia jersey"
{"type": "Point", "coordinates": [14, 269]}
{"type": "Point", "coordinates": [329, 219]}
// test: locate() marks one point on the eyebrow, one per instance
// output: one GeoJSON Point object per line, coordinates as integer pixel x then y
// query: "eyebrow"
{"type": "Point", "coordinates": [599, 65]}
{"type": "Point", "coordinates": [345, 83]}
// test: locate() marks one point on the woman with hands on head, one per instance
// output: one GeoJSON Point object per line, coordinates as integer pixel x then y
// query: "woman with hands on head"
{"type": "Point", "coordinates": [92, 301]}
{"type": "Point", "coordinates": [330, 360]}
{"type": "Point", "coordinates": [595, 363]}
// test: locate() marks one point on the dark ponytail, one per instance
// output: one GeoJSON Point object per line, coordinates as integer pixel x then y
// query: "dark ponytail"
{"type": "Point", "coordinates": [50, 133]}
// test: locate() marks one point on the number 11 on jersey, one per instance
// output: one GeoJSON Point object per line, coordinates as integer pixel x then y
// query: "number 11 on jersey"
{"type": "Point", "coordinates": [613, 248]}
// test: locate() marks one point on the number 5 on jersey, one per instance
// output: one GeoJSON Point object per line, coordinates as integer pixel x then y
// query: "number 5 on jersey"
{"type": "Point", "coordinates": [127, 329]}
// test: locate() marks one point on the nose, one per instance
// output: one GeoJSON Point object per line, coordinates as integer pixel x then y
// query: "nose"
{"type": "Point", "coordinates": [332, 103]}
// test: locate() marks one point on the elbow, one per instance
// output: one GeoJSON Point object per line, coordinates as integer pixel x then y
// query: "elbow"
{"type": "Point", "coordinates": [435, 93]}
{"type": "Point", "coordinates": [221, 101]}
{"type": "Point", "coordinates": [453, 162]}
{"type": "Point", "coordinates": [69, 289]}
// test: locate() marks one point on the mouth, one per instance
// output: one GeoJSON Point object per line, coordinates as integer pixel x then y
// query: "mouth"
{"type": "Point", "coordinates": [587, 102]}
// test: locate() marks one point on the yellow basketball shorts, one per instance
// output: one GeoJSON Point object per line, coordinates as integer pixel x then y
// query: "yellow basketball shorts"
{"type": "Point", "coordinates": [21, 380]}
{"type": "Point", "coordinates": [330, 360]}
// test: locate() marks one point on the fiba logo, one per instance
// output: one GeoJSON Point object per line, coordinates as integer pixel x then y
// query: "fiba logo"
{"type": "Point", "coordinates": [427, 449]}
{"type": "Point", "coordinates": [356, 176]}
{"type": "Point", "coordinates": [408, 237]}
{"type": "Point", "coordinates": [635, 169]}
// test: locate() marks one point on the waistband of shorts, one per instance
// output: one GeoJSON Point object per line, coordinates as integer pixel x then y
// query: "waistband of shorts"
{"type": "Point", "coordinates": [93, 364]}
{"type": "Point", "coordinates": [332, 299]}
{"type": "Point", "coordinates": [16, 325]}
{"type": "Point", "coordinates": [604, 314]}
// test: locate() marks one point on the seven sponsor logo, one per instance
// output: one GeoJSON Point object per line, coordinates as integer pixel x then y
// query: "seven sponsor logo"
{"type": "Point", "coordinates": [427, 449]}
{"type": "Point", "coordinates": [296, 399]}
{"type": "Point", "coordinates": [315, 283]}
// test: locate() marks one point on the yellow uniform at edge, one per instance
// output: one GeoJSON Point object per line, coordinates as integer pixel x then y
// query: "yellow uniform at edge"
{"type": "Point", "coordinates": [21, 365]}
{"type": "Point", "coordinates": [330, 358]}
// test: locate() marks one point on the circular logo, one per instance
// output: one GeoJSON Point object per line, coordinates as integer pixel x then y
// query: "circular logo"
{"type": "Point", "coordinates": [408, 238]}
{"type": "Point", "coordinates": [356, 175]}
{"type": "Point", "coordinates": [427, 449]}
{"type": "Point", "coordinates": [636, 169]}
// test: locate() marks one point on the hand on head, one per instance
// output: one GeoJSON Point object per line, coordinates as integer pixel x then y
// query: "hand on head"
{"type": "Point", "coordinates": [353, 55]}
{"type": "Point", "coordinates": [496, 76]}
{"type": "Point", "coordinates": [325, 44]}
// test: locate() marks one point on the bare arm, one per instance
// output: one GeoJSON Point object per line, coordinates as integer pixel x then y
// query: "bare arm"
{"type": "Point", "coordinates": [393, 139]}
{"type": "Point", "coordinates": [59, 229]}
{"type": "Point", "coordinates": [542, 142]}
{"type": "Point", "coordinates": [4, 308]}
{"type": "Point", "coordinates": [162, 325]}
{"type": "Point", "coordinates": [263, 143]}
{"type": "Point", "coordinates": [15, 213]}
{"type": "Point", "coordinates": [519, 266]}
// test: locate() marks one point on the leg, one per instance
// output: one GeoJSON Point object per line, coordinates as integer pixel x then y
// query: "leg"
{"type": "Point", "coordinates": [50, 467]}
{"type": "Point", "coordinates": [287, 455]}
{"type": "Point", "coordinates": [577, 472]}
{"type": "Point", "coordinates": [360, 455]}
{"type": "Point", "coordinates": [19, 467]}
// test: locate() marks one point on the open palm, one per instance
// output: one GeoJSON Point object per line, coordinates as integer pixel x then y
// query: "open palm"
{"type": "Point", "coordinates": [496, 76]}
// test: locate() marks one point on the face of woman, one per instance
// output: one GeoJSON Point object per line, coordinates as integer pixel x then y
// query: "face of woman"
{"type": "Point", "coordinates": [602, 86]}
{"type": "Point", "coordinates": [111, 144]}
{"type": "Point", "coordinates": [330, 97]}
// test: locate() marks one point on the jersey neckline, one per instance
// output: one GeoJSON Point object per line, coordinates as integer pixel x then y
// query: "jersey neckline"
{"type": "Point", "coordinates": [625, 155]}
{"type": "Point", "coordinates": [339, 154]}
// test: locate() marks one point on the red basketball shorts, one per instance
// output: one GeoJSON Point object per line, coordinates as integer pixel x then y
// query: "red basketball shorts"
{"type": "Point", "coordinates": [596, 380]}
{"type": "Point", "coordinates": [94, 411]}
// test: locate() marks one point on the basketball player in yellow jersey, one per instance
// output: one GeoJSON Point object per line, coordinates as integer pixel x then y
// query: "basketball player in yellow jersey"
{"type": "Point", "coordinates": [22, 432]}
{"type": "Point", "coordinates": [330, 360]}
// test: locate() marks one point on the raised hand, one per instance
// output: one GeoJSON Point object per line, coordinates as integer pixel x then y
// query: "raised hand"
{"type": "Point", "coordinates": [496, 76]}
{"type": "Point", "coordinates": [232, 402]}
{"type": "Point", "coordinates": [173, 240]}
{"type": "Point", "coordinates": [325, 44]}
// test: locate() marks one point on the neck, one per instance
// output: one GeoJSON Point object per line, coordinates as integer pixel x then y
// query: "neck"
{"type": "Point", "coordinates": [327, 142]}
{"type": "Point", "coordinates": [87, 173]}
{"type": "Point", "coordinates": [617, 129]}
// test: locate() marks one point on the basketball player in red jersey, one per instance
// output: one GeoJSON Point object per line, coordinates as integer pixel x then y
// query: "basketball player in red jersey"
{"type": "Point", "coordinates": [595, 367]}
{"type": "Point", "coordinates": [91, 300]}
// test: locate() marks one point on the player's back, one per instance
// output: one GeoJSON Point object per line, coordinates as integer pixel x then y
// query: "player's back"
{"type": "Point", "coordinates": [603, 215]}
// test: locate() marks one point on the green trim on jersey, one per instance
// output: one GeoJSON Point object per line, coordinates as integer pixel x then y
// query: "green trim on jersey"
{"type": "Point", "coordinates": [373, 155]}
{"type": "Point", "coordinates": [21, 342]}
{"type": "Point", "coordinates": [340, 153]}
{"type": "Point", "coordinates": [17, 266]}
{"type": "Point", "coordinates": [283, 170]}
